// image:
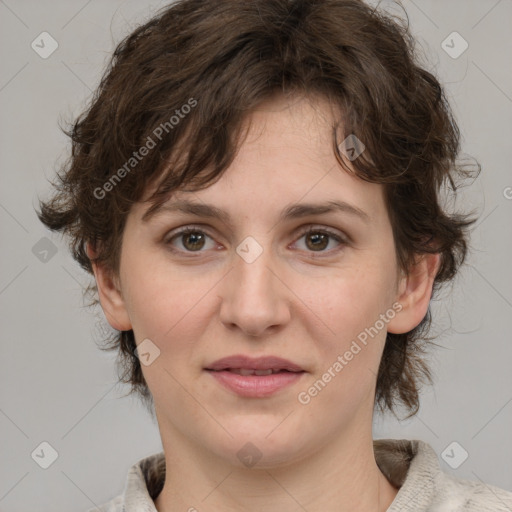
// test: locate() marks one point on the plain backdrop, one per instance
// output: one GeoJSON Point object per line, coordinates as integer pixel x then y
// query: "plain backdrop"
{"type": "Point", "coordinates": [57, 387]}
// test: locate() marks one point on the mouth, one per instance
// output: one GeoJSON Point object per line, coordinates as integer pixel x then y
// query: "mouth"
{"type": "Point", "coordinates": [251, 371]}
{"type": "Point", "coordinates": [255, 378]}
{"type": "Point", "coordinates": [242, 363]}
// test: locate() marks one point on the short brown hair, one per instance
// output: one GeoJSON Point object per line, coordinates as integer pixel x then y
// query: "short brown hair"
{"type": "Point", "coordinates": [227, 56]}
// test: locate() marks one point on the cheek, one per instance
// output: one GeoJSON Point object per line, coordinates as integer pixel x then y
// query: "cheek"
{"type": "Point", "coordinates": [355, 306]}
{"type": "Point", "coordinates": [161, 299]}
{"type": "Point", "coordinates": [349, 341]}
{"type": "Point", "coordinates": [349, 301]}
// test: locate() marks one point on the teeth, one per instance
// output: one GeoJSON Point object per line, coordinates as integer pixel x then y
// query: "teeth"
{"type": "Point", "coordinates": [263, 372]}
{"type": "Point", "coordinates": [248, 371]}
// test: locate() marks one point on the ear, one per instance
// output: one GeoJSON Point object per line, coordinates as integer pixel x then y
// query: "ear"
{"type": "Point", "coordinates": [414, 293]}
{"type": "Point", "coordinates": [109, 292]}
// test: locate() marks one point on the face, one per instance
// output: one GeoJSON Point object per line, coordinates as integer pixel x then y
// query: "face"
{"type": "Point", "coordinates": [256, 283]}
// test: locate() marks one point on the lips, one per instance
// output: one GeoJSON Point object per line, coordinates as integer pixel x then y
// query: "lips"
{"type": "Point", "coordinates": [255, 377]}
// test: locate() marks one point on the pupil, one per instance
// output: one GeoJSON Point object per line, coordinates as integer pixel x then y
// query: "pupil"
{"type": "Point", "coordinates": [196, 238]}
{"type": "Point", "coordinates": [317, 238]}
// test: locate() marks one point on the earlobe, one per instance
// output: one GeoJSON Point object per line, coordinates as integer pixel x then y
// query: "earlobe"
{"type": "Point", "coordinates": [110, 296]}
{"type": "Point", "coordinates": [415, 292]}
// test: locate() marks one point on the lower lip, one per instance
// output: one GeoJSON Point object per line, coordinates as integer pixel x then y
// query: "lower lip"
{"type": "Point", "coordinates": [255, 386]}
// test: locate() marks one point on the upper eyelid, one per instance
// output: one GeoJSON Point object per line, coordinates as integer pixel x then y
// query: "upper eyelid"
{"type": "Point", "coordinates": [303, 229]}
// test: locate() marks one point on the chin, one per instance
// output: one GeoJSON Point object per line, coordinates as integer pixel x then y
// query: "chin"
{"type": "Point", "coordinates": [262, 444]}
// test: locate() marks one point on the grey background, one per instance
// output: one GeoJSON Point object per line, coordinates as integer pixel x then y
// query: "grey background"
{"type": "Point", "coordinates": [58, 387]}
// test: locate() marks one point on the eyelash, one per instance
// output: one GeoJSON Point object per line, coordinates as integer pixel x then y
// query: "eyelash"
{"type": "Point", "coordinates": [308, 231]}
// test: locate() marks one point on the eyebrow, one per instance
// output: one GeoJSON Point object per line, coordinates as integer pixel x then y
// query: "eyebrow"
{"type": "Point", "coordinates": [292, 211]}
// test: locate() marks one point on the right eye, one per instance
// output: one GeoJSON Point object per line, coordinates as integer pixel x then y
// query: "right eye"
{"type": "Point", "coordinates": [190, 238]}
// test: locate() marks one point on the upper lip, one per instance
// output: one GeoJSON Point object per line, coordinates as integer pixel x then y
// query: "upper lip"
{"type": "Point", "coordinates": [258, 363]}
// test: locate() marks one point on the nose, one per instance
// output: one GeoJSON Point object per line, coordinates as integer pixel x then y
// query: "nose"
{"type": "Point", "coordinates": [254, 296]}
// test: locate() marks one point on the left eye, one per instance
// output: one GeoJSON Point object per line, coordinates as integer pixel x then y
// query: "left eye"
{"type": "Point", "coordinates": [318, 239]}
{"type": "Point", "coordinates": [194, 239]}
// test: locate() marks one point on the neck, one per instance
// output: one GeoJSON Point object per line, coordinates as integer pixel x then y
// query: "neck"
{"type": "Point", "coordinates": [341, 476]}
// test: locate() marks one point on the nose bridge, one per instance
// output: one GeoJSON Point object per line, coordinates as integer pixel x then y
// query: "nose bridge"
{"type": "Point", "coordinates": [253, 296]}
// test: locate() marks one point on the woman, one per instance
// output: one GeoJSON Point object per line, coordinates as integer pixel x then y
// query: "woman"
{"type": "Point", "coordinates": [255, 188]}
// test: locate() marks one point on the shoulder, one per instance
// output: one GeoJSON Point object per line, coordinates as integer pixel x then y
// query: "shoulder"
{"type": "Point", "coordinates": [144, 482]}
{"type": "Point", "coordinates": [455, 494]}
{"type": "Point", "coordinates": [413, 467]}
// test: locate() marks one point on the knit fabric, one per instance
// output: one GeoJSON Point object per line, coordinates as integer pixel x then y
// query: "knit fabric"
{"type": "Point", "coordinates": [411, 466]}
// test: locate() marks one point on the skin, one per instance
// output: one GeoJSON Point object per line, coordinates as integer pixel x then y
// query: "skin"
{"type": "Point", "coordinates": [296, 301]}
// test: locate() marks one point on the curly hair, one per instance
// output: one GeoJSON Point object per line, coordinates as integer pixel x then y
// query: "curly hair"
{"type": "Point", "coordinates": [182, 84]}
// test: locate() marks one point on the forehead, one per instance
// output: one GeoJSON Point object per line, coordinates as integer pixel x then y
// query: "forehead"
{"type": "Point", "coordinates": [287, 156]}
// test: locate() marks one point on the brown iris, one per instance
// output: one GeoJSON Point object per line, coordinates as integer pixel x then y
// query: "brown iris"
{"type": "Point", "coordinates": [320, 240]}
{"type": "Point", "coordinates": [196, 240]}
